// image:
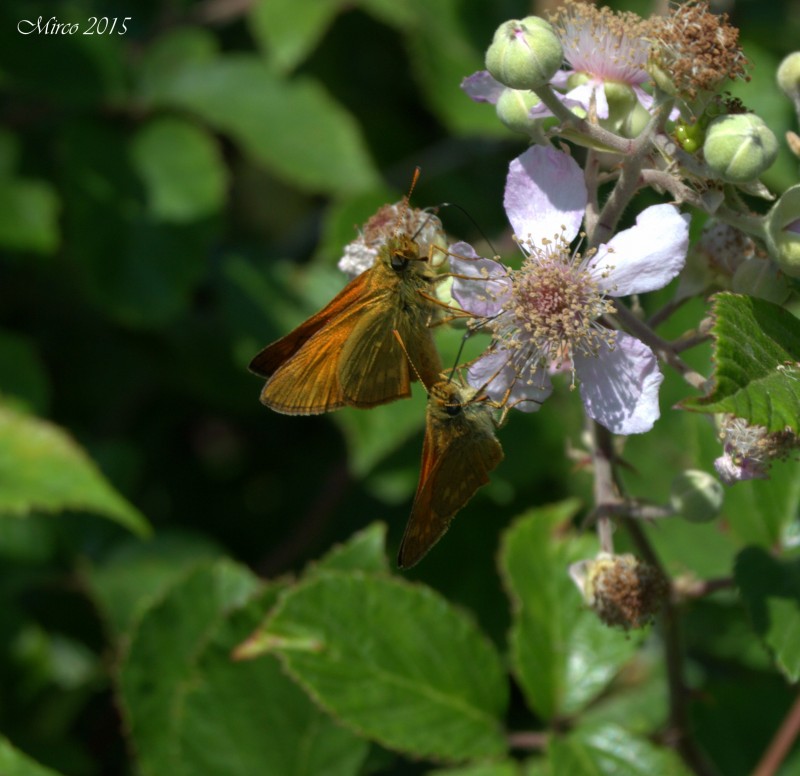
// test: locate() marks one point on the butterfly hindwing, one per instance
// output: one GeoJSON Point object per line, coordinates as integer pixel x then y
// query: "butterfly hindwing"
{"type": "Point", "coordinates": [459, 452]}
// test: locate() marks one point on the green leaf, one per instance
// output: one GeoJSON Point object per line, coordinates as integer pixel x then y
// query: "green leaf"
{"type": "Point", "coordinates": [506, 768]}
{"type": "Point", "coordinates": [182, 169]}
{"type": "Point", "coordinates": [756, 351]}
{"type": "Point", "coordinates": [168, 636]}
{"type": "Point", "coordinates": [292, 126]}
{"type": "Point", "coordinates": [394, 661]}
{"type": "Point", "coordinates": [240, 719]}
{"type": "Point", "coordinates": [442, 55]}
{"type": "Point", "coordinates": [562, 654]}
{"type": "Point", "coordinates": [43, 469]}
{"type": "Point", "coordinates": [288, 31]}
{"type": "Point", "coordinates": [128, 581]}
{"type": "Point", "coordinates": [770, 589]}
{"type": "Point", "coordinates": [29, 216]}
{"type": "Point", "coordinates": [15, 763]}
{"type": "Point", "coordinates": [761, 511]}
{"type": "Point", "coordinates": [164, 60]}
{"type": "Point", "coordinates": [364, 551]}
{"type": "Point", "coordinates": [610, 750]}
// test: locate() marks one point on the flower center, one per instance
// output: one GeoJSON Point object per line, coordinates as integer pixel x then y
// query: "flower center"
{"type": "Point", "coordinates": [557, 302]}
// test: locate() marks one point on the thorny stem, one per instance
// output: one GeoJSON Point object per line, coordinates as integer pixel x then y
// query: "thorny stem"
{"type": "Point", "coordinates": [658, 317]}
{"type": "Point", "coordinates": [606, 496]}
{"type": "Point", "coordinates": [585, 129]}
{"type": "Point", "coordinates": [630, 179]}
{"type": "Point", "coordinates": [528, 739]}
{"type": "Point", "coordinates": [661, 347]}
{"type": "Point", "coordinates": [678, 731]}
{"type": "Point", "coordinates": [781, 743]}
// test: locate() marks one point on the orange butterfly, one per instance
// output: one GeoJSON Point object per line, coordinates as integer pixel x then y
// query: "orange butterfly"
{"type": "Point", "coordinates": [345, 355]}
{"type": "Point", "coordinates": [459, 451]}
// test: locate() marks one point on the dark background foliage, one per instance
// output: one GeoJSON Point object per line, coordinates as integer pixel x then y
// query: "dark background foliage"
{"type": "Point", "coordinates": [174, 198]}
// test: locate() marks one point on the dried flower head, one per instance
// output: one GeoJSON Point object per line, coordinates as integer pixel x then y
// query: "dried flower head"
{"type": "Point", "coordinates": [695, 51]}
{"type": "Point", "coordinates": [426, 228]}
{"type": "Point", "coordinates": [750, 450]}
{"type": "Point", "coordinates": [622, 590]}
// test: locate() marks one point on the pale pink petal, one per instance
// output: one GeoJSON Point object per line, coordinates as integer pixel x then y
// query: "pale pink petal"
{"type": "Point", "coordinates": [545, 190]}
{"type": "Point", "coordinates": [585, 93]}
{"type": "Point", "coordinates": [733, 469]}
{"type": "Point", "coordinates": [491, 289]}
{"type": "Point", "coordinates": [646, 256]}
{"type": "Point", "coordinates": [503, 381]}
{"type": "Point", "coordinates": [481, 87]}
{"type": "Point", "coordinates": [619, 387]}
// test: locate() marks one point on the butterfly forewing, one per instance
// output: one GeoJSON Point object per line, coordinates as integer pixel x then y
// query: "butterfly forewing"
{"type": "Point", "coordinates": [346, 355]}
{"type": "Point", "coordinates": [459, 452]}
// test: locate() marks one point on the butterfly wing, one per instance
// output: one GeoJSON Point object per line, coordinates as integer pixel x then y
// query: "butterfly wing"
{"type": "Point", "coordinates": [304, 367]}
{"type": "Point", "coordinates": [455, 463]}
{"type": "Point", "coordinates": [274, 356]}
{"type": "Point", "coordinates": [374, 368]}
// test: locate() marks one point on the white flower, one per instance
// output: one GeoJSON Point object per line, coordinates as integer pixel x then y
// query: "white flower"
{"type": "Point", "coordinates": [548, 313]}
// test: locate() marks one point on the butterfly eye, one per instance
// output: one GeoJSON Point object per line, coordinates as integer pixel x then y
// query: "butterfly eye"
{"type": "Point", "coordinates": [452, 409]}
{"type": "Point", "coordinates": [399, 261]}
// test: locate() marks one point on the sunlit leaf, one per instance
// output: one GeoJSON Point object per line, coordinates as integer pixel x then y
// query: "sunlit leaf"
{"type": "Point", "coordinates": [127, 581]}
{"type": "Point", "coordinates": [561, 653]}
{"type": "Point", "coordinates": [436, 689]}
{"type": "Point", "coordinates": [168, 636]}
{"type": "Point", "coordinates": [15, 763]}
{"type": "Point", "coordinates": [29, 212]}
{"type": "Point", "coordinates": [760, 382]}
{"type": "Point", "coordinates": [245, 718]}
{"type": "Point", "coordinates": [43, 469]}
{"type": "Point", "coordinates": [293, 126]}
{"type": "Point", "coordinates": [610, 750]}
{"type": "Point", "coordinates": [287, 31]}
{"type": "Point", "coordinates": [182, 169]}
{"type": "Point", "coordinates": [364, 551]}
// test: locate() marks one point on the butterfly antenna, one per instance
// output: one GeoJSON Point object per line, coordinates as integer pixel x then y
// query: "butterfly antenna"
{"type": "Point", "coordinates": [405, 350]}
{"type": "Point", "coordinates": [402, 214]}
{"type": "Point", "coordinates": [480, 231]}
{"type": "Point", "coordinates": [467, 335]}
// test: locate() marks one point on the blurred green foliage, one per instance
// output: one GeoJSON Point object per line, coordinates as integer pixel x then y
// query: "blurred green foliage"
{"type": "Point", "coordinates": [172, 199]}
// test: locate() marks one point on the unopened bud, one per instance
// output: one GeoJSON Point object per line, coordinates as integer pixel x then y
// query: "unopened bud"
{"type": "Point", "coordinates": [789, 76]}
{"type": "Point", "coordinates": [524, 54]}
{"type": "Point", "coordinates": [783, 232]}
{"type": "Point", "coordinates": [513, 109]}
{"type": "Point", "coordinates": [760, 277]}
{"type": "Point", "coordinates": [738, 148]}
{"type": "Point", "coordinates": [696, 495]}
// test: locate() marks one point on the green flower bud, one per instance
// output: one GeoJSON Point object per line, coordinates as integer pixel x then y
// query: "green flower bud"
{"type": "Point", "coordinates": [783, 232]}
{"type": "Point", "coordinates": [696, 495]}
{"type": "Point", "coordinates": [524, 54]}
{"type": "Point", "coordinates": [621, 101]}
{"type": "Point", "coordinates": [760, 277]}
{"type": "Point", "coordinates": [739, 147]}
{"type": "Point", "coordinates": [789, 76]}
{"type": "Point", "coordinates": [690, 137]}
{"type": "Point", "coordinates": [513, 108]}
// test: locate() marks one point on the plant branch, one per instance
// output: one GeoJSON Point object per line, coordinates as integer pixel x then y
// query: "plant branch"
{"type": "Point", "coordinates": [678, 726]}
{"type": "Point", "coordinates": [781, 743]}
